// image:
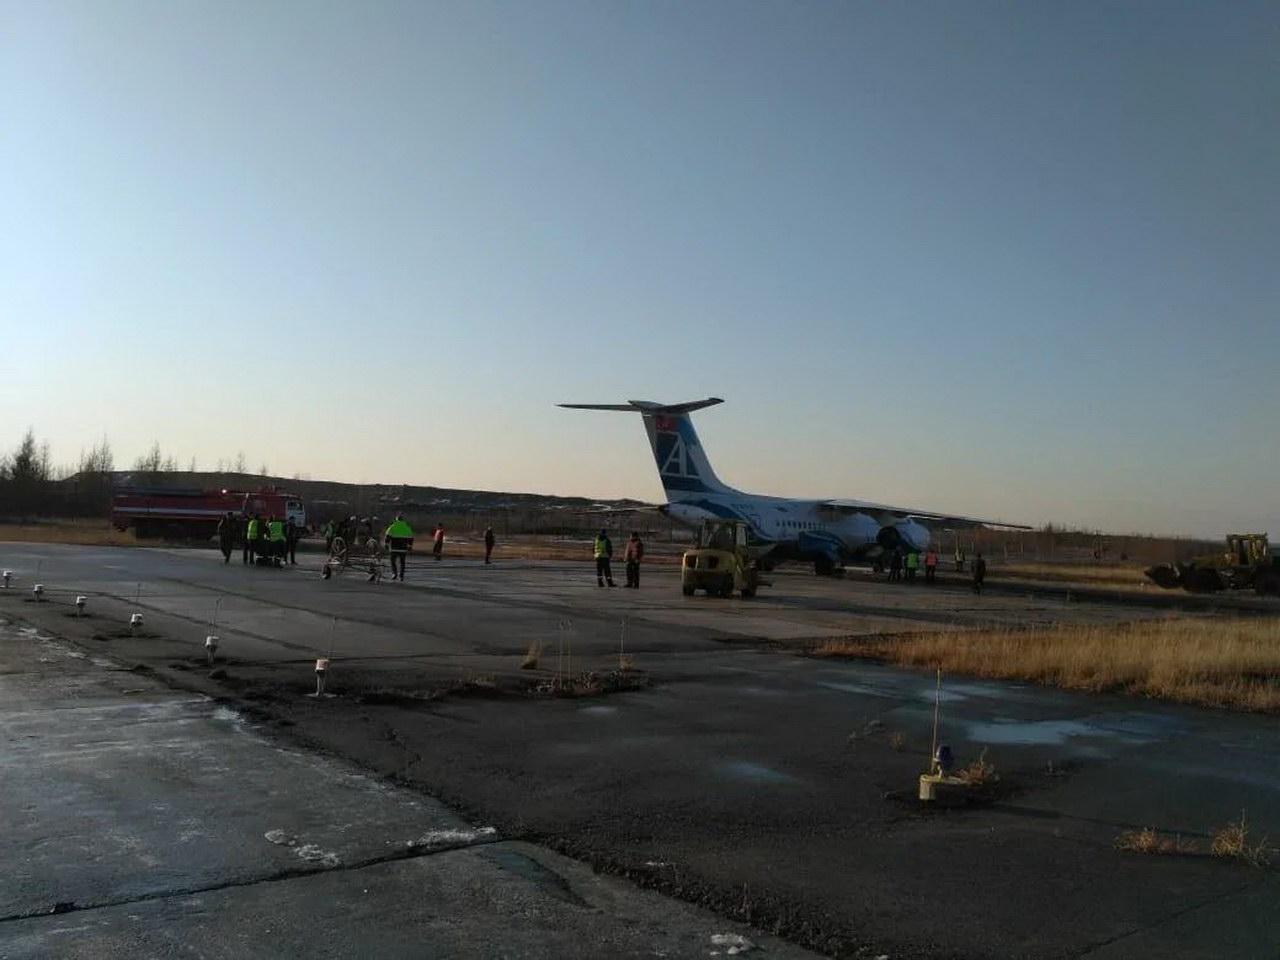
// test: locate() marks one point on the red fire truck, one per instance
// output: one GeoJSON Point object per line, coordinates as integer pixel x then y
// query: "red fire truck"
{"type": "Point", "coordinates": [195, 513]}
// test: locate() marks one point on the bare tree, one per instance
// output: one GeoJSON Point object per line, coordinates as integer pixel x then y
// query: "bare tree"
{"type": "Point", "coordinates": [262, 470]}
{"type": "Point", "coordinates": [94, 480]}
{"type": "Point", "coordinates": [151, 461]}
{"type": "Point", "coordinates": [240, 465]}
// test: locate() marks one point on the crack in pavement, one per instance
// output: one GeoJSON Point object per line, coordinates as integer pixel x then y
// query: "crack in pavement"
{"type": "Point", "coordinates": [1191, 908]}
{"type": "Point", "coordinates": [411, 851]}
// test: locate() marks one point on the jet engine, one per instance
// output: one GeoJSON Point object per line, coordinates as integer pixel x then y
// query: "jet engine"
{"type": "Point", "coordinates": [905, 535]}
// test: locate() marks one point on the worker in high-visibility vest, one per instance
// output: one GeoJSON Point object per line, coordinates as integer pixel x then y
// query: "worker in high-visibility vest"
{"type": "Point", "coordinates": [912, 565]}
{"type": "Point", "coordinates": [279, 543]}
{"type": "Point", "coordinates": [399, 540]}
{"type": "Point", "coordinates": [252, 534]}
{"type": "Point", "coordinates": [603, 549]}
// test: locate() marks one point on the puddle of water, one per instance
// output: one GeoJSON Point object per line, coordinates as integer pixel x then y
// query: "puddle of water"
{"type": "Point", "coordinates": [1030, 733]}
{"type": "Point", "coordinates": [755, 772]}
{"type": "Point", "coordinates": [860, 688]}
{"type": "Point", "coordinates": [599, 710]}
{"type": "Point", "coordinates": [946, 696]}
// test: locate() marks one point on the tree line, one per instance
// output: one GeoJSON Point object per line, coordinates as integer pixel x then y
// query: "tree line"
{"type": "Point", "coordinates": [31, 485]}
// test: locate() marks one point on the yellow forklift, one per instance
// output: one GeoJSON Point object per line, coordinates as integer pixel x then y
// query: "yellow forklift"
{"type": "Point", "coordinates": [721, 564]}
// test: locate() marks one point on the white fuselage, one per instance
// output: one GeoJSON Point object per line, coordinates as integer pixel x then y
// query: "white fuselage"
{"type": "Point", "coordinates": [801, 527]}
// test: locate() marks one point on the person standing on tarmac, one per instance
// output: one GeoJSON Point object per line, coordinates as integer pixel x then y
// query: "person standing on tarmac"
{"type": "Point", "coordinates": [399, 541]}
{"type": "Point", "coordinates": [979, 573]}
{"type": "Point", "coordinates": [633, 556]}
{"type": "Point", "coordinates": [252, 532]}
{"type": "Point", "coordinates": [291, 536]}
{"type": "Point", "coordinates": [930, 564]}
{"type": "Point", "coordinates": [913, 564]}
{"type": "Point", "coordinates": [895, 565]}
{"type": "Point", "coordinates": [275, 532]}
{"type": "Point", "coordinates": [603, 550]}
{"type": "Point", "coordinates": [488, 543]}
{"type": "Point", "coordinates": [437, 541]}
{"type": "Point", "coordinates": [227, 535]}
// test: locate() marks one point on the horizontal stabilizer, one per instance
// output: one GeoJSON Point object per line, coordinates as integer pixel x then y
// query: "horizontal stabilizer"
{"type": "Point", "coordinates": [647, 406]}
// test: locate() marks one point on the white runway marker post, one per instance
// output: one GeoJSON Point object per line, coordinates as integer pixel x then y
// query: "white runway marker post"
{"type": "Point", "coordinates": [322, 671]}
{"type": "Point", "coordinates": [211, 641]}
{"type": "Point", "coordinates": [80, 602]}
{"type": "Point", "coordinates": [7, 576]}
{"type": "Point", "coordinates": [322, 665]}
{"type": "Point", "coordinates": [135, 624]}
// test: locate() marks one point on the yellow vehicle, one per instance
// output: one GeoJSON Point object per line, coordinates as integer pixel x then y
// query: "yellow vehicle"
{"type": "Point", "coordinates": [1250, 562]}
{"type": "Point", "coordinates": [721, 564]}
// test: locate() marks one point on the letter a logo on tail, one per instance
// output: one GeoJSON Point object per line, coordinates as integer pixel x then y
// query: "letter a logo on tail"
{"type": "Point", "coordinates": [676, 462]}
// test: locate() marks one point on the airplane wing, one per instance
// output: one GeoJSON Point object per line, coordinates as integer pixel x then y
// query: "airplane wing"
{"type": "Point", "coordinates": [947, 521]}
{"type": "Point", "coordinates": [602, 511]}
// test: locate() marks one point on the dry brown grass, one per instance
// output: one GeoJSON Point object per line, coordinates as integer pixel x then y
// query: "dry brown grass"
{"type": "Point", "coordinates": [1149, 840]}
{"type": "Point", "coordinates": [531, 656]}
{"type": "Point", "coordinates": [93, 533]}
{"type": "Point", "coordinates": [1221, 662]}
{"type": "Point", "coordinates": [1232, 840]}
{"type": "Point", "coordinates": [1085, 574]}
{"type": "Point", "coordinates": [980, 774]}
{"type": "Point", "coordinates": [897, 740]}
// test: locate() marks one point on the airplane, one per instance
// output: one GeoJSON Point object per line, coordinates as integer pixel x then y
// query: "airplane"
{"type": "Point", "coordinates": [826, 533]}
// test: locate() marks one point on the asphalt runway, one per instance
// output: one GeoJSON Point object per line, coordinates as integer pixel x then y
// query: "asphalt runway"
{"type": "Point", "coordinates": [143, 821]}
{"type": "Point", "coordinates": [770, 787]}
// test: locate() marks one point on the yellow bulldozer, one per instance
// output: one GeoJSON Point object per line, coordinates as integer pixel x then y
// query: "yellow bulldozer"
{"type": "Point", "coordinates": [722, 563]}
{"type": "Point", "coordinates": [1249, 563]}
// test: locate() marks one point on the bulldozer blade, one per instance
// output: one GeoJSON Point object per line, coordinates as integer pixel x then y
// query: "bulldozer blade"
{"type": "Point", "coordinates": [1165, 575]}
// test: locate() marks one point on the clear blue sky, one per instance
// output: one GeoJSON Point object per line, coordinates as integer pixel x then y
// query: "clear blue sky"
{"type": "Point", "coordinates": [1012, 259]}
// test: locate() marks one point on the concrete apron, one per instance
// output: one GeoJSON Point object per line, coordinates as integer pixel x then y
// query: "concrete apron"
{"type": "Point", "coordinates": [143, 821]}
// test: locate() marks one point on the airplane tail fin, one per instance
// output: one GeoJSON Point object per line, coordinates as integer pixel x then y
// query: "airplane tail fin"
{"type": "Point", "coordinates": [683, 466]}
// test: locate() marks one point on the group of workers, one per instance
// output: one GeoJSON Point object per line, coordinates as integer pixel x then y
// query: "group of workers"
{"type": "Point", "coordinates": [276, 541]}
{"type": "Point", "coordinates": [603, 552]}
{"type": "Point", "coordinates": [271, 541]}
{"type": "Point", "coordinates": [904, 566]}
{"type": "Point", "coordinates": [398, 540]}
